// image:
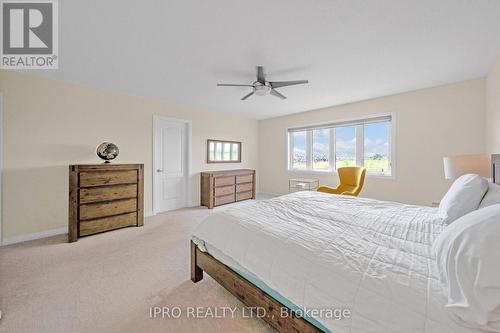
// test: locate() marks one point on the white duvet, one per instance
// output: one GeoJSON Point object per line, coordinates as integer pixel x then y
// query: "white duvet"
{"type": "Point", "coordinates": [324, 251]}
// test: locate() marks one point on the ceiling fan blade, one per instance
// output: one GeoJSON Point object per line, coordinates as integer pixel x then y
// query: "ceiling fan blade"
{"type": "Point", "coordinates": [246, 96]}
{"type": "Point", "coordinates": [287, 83]}
{"type": "Point", "coordinates": [277, 94]}
{"type": "Point", "coordinates": [233, 85]}
{"type": "Point", "coordinates": [260, 75]}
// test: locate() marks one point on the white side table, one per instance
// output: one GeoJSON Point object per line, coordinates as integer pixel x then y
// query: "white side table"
{"type": "Point", "coordinates": [302, 184]}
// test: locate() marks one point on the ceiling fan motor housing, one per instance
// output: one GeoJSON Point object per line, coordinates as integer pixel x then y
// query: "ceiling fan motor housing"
{"type": "Point", "coordinates": [261, 89]}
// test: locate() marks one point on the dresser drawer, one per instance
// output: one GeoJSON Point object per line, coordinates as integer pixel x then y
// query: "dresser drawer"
{"type": "Point", "coordinates": [224, 190]}
{"type": "Point", "coordinates": [222, 181]}
{"type": "Point", "coordinates": [224, 200]}
{"type": "Point", "coordinates": [105, 193]}
{"type": "Point", "coordinates": [244, 187]}
{"type": "Point", "coordinates": [244, 179]}
{"type": "Point", "coordinates": [107, 223]}
{"type": "Point", "coordinates": [221, 187]}
{"type": "Point", "coordinates": [98, 178]}
{"type": "Point", "coordinates": [104, 197]}
{"type": "Point", "coordinates": [92, 211]}
{"type": "Point", "coordinates": [244, 195]}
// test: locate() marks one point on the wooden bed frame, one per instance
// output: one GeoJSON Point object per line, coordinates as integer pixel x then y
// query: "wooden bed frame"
{"type": "Point", "coordinates": [252, 296]}
{"type": "Point", "coordinates": [247, 293]}
{"type": "Point", "coordinates": [495, 168]}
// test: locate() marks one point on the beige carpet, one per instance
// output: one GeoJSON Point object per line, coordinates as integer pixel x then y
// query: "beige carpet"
{"type": "Point", "coordinates": [108, 282]}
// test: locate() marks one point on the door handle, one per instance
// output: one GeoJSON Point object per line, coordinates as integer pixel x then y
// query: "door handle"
{"type": "Point", "coordinates": [159, 170]}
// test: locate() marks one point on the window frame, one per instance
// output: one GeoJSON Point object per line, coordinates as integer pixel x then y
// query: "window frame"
{"type": "Point", "coordinates": [359, 122]}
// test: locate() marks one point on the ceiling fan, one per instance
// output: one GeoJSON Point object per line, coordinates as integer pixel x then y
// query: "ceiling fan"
{"type": "Point", "coordinates": [261, 87]}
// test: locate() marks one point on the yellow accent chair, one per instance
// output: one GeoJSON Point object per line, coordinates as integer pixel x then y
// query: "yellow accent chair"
{"type": "Point", "coordinates": [351, 181]}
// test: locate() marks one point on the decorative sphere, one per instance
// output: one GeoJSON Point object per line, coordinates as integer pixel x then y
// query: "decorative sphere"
{"type": "Point", "coordinates": [107, 151]}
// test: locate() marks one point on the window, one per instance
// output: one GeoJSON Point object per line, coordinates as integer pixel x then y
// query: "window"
{"type": "Point", "coordinates": [345, 146]}
{"type": "Point", "coordinates": [321, 149]}
{"type": "Point", "coordinates": [327, 147]}
{"type": "Point", "coordinates": [223, 151]}
{"type": "Point", "coordinates": [299, 150]}
{"type": "Point", "coordinates": [376, 147]}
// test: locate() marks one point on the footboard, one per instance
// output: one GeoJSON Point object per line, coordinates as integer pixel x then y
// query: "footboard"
{"type": "Point", "coordinates": [247, 293]}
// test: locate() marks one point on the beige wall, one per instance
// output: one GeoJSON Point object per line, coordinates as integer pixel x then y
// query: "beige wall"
{"type": "Point", "coordinates": [50, 124]}
{"type": "Point", "coordinates": [493, 110]}
{"type": "Point", "coordinates": [430, 124]}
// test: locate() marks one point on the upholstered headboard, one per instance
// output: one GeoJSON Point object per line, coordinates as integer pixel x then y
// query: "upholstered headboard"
{"type": "Point", "coordinates": [495, 167]}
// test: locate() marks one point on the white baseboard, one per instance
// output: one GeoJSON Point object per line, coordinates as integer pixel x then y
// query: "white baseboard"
{"type": "Point", "coordinates": [43, 234]}
{"type": "Point", "coordinates": [35, 235]}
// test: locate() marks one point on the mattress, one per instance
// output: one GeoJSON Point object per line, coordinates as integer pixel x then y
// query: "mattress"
{"type": "Point", "coordinates": [214, 252]}
{"type": "Point", "coordinates": [322, 251]}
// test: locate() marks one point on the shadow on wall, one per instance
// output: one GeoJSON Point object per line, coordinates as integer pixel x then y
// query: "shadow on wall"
{"type": "Point", "coordinates": [62, 153]}
{"type": "Point", "coordinates": [35, 199]}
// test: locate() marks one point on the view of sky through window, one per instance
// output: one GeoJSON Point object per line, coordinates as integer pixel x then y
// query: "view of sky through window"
{"type": "Point", "coordinates": [345, 146]}
{"type": "Point", "coordinates": [312, 147]}
{"type": "Point", "coordinates": [376, 147]}
{"type": "Point", "coordinates": [321, 149]}
{"type": "Point", "coordinates": [299, 149]}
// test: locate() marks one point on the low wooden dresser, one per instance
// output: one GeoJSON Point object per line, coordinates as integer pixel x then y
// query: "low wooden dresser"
{"type": "Point", "coordinates": [104, 197]}
{"type": "Point", "coordinates": [223, 187]}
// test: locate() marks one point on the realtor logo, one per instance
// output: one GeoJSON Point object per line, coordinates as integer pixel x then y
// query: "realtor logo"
{"type": "Point", "coordinates": [29, 34]}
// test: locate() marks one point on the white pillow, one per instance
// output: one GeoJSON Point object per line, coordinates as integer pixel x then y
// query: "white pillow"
{"type": "Point", "coordinates": [492, 197]}
{"type": "Point", "coordinates": [463, 197]}
{"type": "Point", "coordinates": [468, 260]}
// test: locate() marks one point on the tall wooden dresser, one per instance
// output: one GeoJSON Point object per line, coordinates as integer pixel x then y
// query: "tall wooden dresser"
{"type": "Point", "coordinates": [104, 197]}
{"type": "Point", "coordinates": [223, 187]}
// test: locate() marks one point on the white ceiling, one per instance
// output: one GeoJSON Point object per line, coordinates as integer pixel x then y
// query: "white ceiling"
{"type": "Point", "coordinates": [349, 50]}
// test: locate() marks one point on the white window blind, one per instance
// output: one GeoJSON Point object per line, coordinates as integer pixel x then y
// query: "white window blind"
{"type": "Point", "coordinates": [386, 118]}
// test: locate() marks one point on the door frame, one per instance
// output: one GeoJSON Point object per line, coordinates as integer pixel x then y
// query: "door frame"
{"type": "Point", "coordinates": [189, 134]}
{"type": "Point", "coordinates": [1, 168]}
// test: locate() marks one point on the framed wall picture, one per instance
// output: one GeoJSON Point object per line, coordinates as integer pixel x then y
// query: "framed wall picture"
{"type": "Point", "coordinates": [223, 151]}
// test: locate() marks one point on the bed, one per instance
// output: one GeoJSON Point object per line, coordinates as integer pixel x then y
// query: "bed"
{"type": "Point", "coordinates": [316, 251]}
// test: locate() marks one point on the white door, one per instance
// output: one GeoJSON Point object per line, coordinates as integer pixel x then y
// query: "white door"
{"type": "Point", "coordinates": [170, 164]}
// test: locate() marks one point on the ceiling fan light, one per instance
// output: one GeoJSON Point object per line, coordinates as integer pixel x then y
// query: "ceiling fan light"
{"type": "Point", "coordinates": [262, 90]}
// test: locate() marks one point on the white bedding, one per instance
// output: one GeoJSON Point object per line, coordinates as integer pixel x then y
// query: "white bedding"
{"type": "Point", "coordinates": [326, 251]}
